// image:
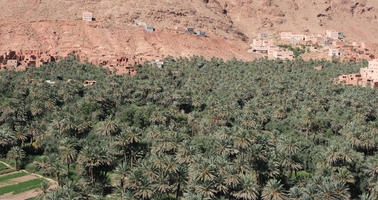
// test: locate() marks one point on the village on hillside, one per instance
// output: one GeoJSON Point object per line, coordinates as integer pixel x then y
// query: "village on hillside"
{"type": "Point", "coordinates": [287, 45]}
{"type": "Point", "coordinates": [283, 45]}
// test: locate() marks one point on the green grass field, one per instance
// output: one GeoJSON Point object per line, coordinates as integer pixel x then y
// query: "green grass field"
{"type": "Point", "coordinates": [2, 166]}
{"type": "Point", "coordinates": [6, 171]}
{"type": "Point", "coordinates": [21, 187]}
{"type": "Point", "coordinates": [11, 176]}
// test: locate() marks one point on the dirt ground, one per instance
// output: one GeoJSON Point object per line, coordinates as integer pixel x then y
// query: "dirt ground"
{"type": "Point", "coordinates": [27, 194]}
{"type": "Point", "coordinates": [22, 196]}
{"type": "Point", "coordinates": [17, 180]}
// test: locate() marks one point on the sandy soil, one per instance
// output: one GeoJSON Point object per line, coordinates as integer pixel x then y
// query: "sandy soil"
{"type": "Point", "coordinates": [22, 196]}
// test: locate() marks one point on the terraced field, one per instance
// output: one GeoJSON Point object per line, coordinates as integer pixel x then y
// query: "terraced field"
{"type": "Point", "coordinates": [18, 184]}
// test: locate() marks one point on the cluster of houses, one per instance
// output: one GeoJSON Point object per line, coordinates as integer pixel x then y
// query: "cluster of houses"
{"type": "Point", "coordinates": [313, 39]}
{"type": "Point", "coordinates": [368, 76]}
{"type": "Point", "coordinates": [268, 47]}
{"type": "Point", "coordinates": [117, 64]}
{"type": "Point", "coordinates": [332, 41]}
{"type": "Point", "coordinates": [20, 60]}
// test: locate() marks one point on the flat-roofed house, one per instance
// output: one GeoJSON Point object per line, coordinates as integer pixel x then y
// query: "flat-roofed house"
{"type": "Point", "coordinates": [349, 79]}
{"type": "Point", "coordinates": [370, 72]}
{"type": "Point", "coordinates": [273, 49]}
{"type": "Point", "coordinates": [286, 35]}
{"type": "Point", "coordinates": [190, 30]}
{"type": "Point", "coordinates": [12, 63]}
{"type": "Point", "coordinates": [149, 29]}
{"type": "Point", "coordinates": [368, 76]}
{"type": "Point", "coordinates": [338, 43]}
{"type": "Point", "coordinates": [335, 52]}
{"type": "Point", "coordinates": [334, 35]}
{"type": "Point", "coordinates": [87, 16]}
{"type": "Point", "coordinates": [201, 34]}
{"type": "Point", "coordinates": [261, 45]}
{"type": "Point", "coordinates": [310, 38]}
{"type": "Point", "coordinates": [262, 35]}
{"type": "Point", "coordinates": [158, 63]}
{"type": "Point", "coordinates": [299, 37]}
{"type": "Point", "coordinates": [283, 55]}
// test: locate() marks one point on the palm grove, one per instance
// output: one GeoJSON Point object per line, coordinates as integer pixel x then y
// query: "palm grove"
{"type": "Point", "coordinates": [196, 129]}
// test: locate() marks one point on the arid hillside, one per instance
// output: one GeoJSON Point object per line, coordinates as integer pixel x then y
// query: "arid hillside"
{"type": "Point", "coordinates": [230, 24]}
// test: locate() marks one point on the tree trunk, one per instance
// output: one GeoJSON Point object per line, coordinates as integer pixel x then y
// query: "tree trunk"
{"type": "Point", "coordinates": [177, 191]}
{"type": "Point", "coordinates": [122, 186]}
{"type": "Point", "coordinates": [124, 155]}
{"type": "Point", "coordinates": [91, 173]}
{"type": "Point", "coordinates": [58, 179]}
{"type": "Point", "coordinates": [68, 169]}
{"type": "Point", "coordinates": [131, 158]}
{"type": "Point", "coordinates": [16, 161]}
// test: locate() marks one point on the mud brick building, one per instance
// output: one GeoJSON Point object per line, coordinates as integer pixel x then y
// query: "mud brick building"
{"type": "Point", "coordinates": [283, 55]}
{"type": "Point", "coordinates": [368, 77]}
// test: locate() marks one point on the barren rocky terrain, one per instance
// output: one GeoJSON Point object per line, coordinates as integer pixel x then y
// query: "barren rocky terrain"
{"type": "Point", "coordinates": [55, 26]}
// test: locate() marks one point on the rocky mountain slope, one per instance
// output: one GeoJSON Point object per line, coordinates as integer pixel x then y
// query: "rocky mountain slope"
{"type": "Point", "coordinates": [55, 25]}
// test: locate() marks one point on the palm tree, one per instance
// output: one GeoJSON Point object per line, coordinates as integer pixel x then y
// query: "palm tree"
{"type": "Point", "coordinates": [68, 191]}
{"type": "Point", "coordinates": [372, 170]}
{"type": "Point", "coordinates": [7, 138]}
{"type": "Point", "coordinates": [122, 172]}
{"type": "Point", "coordinates": [369, 196]}
{"type": "Point", "coordinates": [295, 193]}
{"type": "Point", "coordinates": [17, 154]}
{"type": "Point", "coordinates": [44, 188]}
{"type": "Point", "coordinates": [345, 176]}
{"type": "Point", "coordinates": [306, 124]}
{"type": "Point", "coordinates": [288, 145]}
{"type": "Point", "coordinates": [127, 141]}
{"type": "Point", "coordinates": [273, 190]}
{"type": "Point", "coordinates": [55, 169]}
{"type": "Point", "coordinates": [108, 127]}
{"type": "Point", "coordinates": [21, 136]}
{"type": "Point", "coordinates": [43, 164]}
{"type": "Point", "coordinates": [247, 189]}
{"type": "Point", "coordinates": [68, 154]}
{"type": "Point", "coordinates": [328, 188]}
{"type": "Point", "coordinates": [91, 157]}
{"type": "Point", "coordinates": [33, 131]}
